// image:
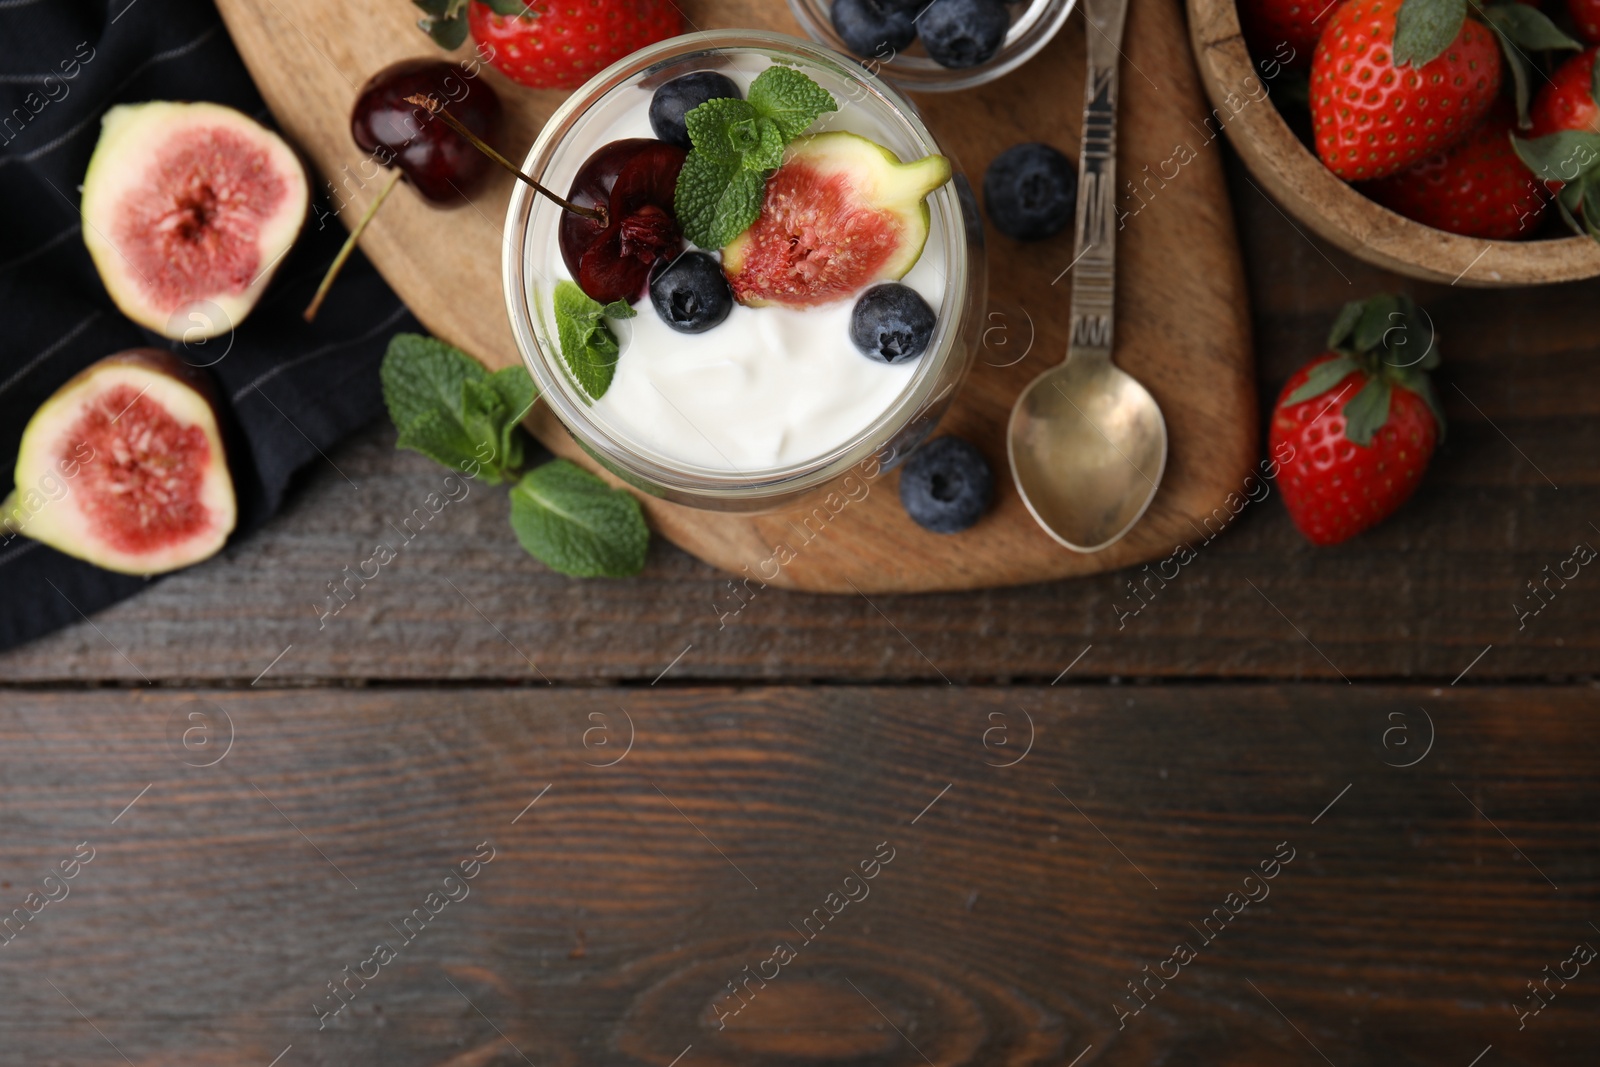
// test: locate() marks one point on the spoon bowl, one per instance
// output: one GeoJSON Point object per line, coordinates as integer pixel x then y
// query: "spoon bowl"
{"type": "Point", "coordinates": [1088, 446]}
{"type": "Point", "coordinates": [1087, 443]}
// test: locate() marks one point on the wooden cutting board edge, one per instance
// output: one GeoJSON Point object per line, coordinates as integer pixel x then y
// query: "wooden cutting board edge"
{"type": "Point", "coordinates": [875, 549]}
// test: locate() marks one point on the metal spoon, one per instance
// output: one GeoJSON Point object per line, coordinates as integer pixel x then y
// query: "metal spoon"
{"type": "Point", "coordinates": [1087, 442]}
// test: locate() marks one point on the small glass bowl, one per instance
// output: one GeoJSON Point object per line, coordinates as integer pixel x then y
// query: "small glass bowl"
{"type": "Point", "coordinates": [1033, 25]}
{"type": "Point", "coordinates": [531, 223]}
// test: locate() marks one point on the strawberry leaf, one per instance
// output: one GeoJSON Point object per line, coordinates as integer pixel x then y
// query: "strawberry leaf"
{"type": "Point", "coordinates": [512, 7]}
{"type": "Point", "coordinates": [1591, 208]}
{"type": "Point", "coordinates": [1423, 29]}
{"type": "Point", "coordinates": [1594, 79]}
{"type": "Point", "coordinates": [448, 34]}
{"type": "Point", "coordinates": [1367, 411]}
{"type": "Point", "coordinates": [1562, 157]}
{"type": "Point", "coordinates": [1527, 27]}
{"type": "Point", "coordinates": [1378, 317]}
{"type": "Point", "coordinates": [1323, 376]}
{"type": "Point", "coordinates": [1349, 315]}
{"type": "Point", "coordinates": [1521, 29]}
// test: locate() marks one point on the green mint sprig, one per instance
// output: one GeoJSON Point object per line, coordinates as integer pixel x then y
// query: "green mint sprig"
{"type": "Point", "coordinates": [737, 146]}
{"type": "Point", "coordinates": [447, 407]}
{"type": "Point", "coordinates": [588, 346]}
{"type": "Point", "coordinates": [450, 409]}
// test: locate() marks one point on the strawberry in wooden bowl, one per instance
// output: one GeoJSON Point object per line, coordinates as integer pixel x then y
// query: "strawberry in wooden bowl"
{"type": "Point", "coordinates": [1408, 136]}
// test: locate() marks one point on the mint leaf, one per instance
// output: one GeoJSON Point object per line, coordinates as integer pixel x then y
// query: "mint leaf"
{"type": "Point", "coordinates": [716, 201]}
{"type": "Point", "coordinates": [442, 439]}
{"type": "Point", "coordinates": [576, 524]}
{"type": "Point", "coordinates": [767, 152]}
{"type": "Point", "coordinates": [450, 409]}
{"type": "Point", "coordinates": [1423, 29]}
{"type": "Point", "coordinates": [510, 8]}
{"type": "Point", "coordinates": [737, 144]}
{"type": "Point", "coordinates": [421, 374]}
{"type": "Point", "coordinates": [518, 394]}
{"type": "Point", "coordinates": [712, 128]}
{"type": "Point", "coordinates": [588, 346]}
{"type": "Point", "coordinates": [790, 99]}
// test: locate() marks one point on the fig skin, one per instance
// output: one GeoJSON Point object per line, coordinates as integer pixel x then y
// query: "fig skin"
{"type": "Point", "coordinates": [147, 270]}
{"type": "Point", "coordinates": [45, 459]}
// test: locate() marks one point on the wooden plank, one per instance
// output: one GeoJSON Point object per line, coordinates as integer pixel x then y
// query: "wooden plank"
{"type": "Point", "coordinates": [1182, 329]}
{"type": "Point", "coordinates": [1420, 596]}
{"type": "Point", "coordinates": [1019, 901]}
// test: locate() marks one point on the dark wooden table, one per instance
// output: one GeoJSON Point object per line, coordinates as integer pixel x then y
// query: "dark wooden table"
{"type": "Point", "coordinates": [669, 819]}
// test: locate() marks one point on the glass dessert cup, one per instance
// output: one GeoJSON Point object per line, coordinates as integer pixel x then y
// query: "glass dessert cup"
{"type": "Point", "coordinates": [1033, 25]}
{"type": "Point", "coordinates": [531, 232]}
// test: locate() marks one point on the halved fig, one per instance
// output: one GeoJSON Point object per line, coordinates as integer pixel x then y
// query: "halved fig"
{"type": "Point", "coordinates": [189, 208]}
{"type": "Point", "coordinates": [124, 467]}
{"type": "Point", "coordinates": [842, 213]}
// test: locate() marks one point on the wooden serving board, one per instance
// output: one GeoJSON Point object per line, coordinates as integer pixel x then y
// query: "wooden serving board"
{"type": "Point", "coordinates": [1183, 325]}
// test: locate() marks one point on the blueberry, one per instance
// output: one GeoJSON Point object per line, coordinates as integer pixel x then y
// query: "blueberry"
{"type": "Point", "coordinates": [892, 323]}
{"type": "Point", "coordinates": [946, 485]}
{"type": "Point", "coordinates": [874, 27]}
{"type": "Point", "coordinates": [690, 292]}
{"type": "Point", "coordinates": [963, 33]}
{"type": "Point", "coordinates": [1031, 191]}
{"type": "Point", "coordinates": [682, 95]}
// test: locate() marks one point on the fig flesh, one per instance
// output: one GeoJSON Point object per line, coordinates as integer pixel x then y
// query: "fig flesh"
{"type": "Point", "coordinates": [124, 467]}
{"type": "Point", "coordinates": [187, 211]}
{"type": "Point", "coordinates": [840, 214]}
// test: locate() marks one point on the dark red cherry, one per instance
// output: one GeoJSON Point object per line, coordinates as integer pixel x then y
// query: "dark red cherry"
{"type": "Point", "coordinates": [636, 179]}
{"type": "Point", "coordinates": [441, 164]}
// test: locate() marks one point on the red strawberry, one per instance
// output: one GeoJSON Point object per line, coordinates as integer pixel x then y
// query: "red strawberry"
{"type": "Point", "coordinates": [1477, 187]}
{"type": "Point", "coordinates": [1379, 105]}
{"type": "Point", "coordinates": [1356, 426]}
{"type": "Point", "coordinates": [1567, 100]}
{"type": "Point", "coordinates": [1586, 16]}
{"type": "Point", "coordinates": [560, 44]}
{"type": "Point", "coordinates": [1285, 30]}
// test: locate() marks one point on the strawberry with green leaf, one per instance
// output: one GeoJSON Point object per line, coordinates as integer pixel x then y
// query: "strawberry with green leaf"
{"type": "Point", "coordinates": [551, 44]}
{"type": "Point", "coordinates": [1564, 147]}
{"type": "Point", "coordinates": [1360, 421]}
{"type": "Point", "coordinates": [1394, 81]}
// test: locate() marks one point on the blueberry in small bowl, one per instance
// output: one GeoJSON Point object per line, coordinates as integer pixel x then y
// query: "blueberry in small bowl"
{"type": "Point", "coordinates": [963, 33]}
{"type": "Point", "coordinates": [946, 485]}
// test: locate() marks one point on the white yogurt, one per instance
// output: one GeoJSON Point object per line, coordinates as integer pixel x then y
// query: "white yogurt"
{"type": "Point", "coordinates": [768, 387]}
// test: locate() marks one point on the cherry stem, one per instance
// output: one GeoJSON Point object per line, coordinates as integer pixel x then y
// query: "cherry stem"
{"type": "Point", "coordinates": [349, 246]}
{"type": "Point", "coordinates": [598, 212]}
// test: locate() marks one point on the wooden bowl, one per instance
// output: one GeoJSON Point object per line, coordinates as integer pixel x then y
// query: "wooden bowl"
{"type": "Point", "coordinates": [1293, 175]}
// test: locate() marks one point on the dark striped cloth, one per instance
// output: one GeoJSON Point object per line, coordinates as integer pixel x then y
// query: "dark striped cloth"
{"type": "Point", "coordinates": [293, 390]}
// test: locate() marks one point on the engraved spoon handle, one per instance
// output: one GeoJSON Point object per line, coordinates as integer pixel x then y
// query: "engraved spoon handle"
{"type": "Point", "coordinates": [1095, 255]}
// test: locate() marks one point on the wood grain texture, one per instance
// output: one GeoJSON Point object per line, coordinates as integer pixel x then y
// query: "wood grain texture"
{"type": "Point", "coordinates": [1332, 208]}
{"type": "Point", "coordinates": [1182, 329]}
{"type": "Point", "coordinates": [1018, 903]}
{"type": "Point", "coordinates": [1419, 597]}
